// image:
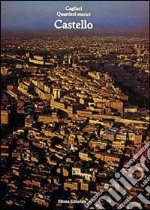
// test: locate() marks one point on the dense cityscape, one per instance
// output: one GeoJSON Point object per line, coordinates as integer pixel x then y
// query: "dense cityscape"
{"type": "Point", "coordinates": [74, 110]}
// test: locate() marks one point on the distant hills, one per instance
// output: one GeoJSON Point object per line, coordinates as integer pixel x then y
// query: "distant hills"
{"type": "Point", "coordinates": [128, 31]}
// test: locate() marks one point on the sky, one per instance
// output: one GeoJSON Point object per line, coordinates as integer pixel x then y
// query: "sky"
{"type": "Point", "coordinates": [42, 14]}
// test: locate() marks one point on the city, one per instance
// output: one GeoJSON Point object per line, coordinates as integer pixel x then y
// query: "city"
{"type": "Point", "coordinates": [74, 110]}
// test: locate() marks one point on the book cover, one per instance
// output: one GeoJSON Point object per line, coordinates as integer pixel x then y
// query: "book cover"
{"type": "Point", "coordinates": [75, 105]}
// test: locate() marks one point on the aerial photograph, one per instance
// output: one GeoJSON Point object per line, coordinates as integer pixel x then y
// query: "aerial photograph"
{"type": "Point", "coordinates": [75, 105]}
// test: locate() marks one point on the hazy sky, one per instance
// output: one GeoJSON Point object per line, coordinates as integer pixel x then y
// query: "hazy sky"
{"type": "Point", "coordinates": [42, 14]}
